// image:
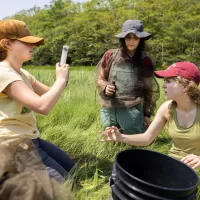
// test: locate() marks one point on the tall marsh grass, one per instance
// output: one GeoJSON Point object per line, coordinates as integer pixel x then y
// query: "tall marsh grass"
{"type": "Point", "coordinates": [74, 126]}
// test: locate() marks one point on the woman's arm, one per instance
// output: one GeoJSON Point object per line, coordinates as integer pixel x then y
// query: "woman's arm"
{"type": "Point", "coordinates": [151, 87]}
{"type": "Point", "coordinates": [112, 134]}
{"type": "Point", "coordinates": [147, 101]}
{"type": "Point", "coordinates": [103, 68]}
{"type": "Point", "coordinates": [148, 96]}
{"type": "Point", "coordinates": [39, 88]}
{"type": "Point", "coordinates": [102, 82]}
{"type": "Point", "coordinates": [19, 91]}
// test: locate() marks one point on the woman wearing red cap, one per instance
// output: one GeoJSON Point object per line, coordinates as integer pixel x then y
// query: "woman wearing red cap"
{"type": "Point", "coordinates": [127, 88]}
{"type": "Point", "coordinates": [181, 114]}
{"type": "Point", "coordinates": [21, 94]}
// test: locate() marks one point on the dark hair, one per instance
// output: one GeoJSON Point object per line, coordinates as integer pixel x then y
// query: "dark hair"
{"type": "Point", "coordinates": [140, 49]}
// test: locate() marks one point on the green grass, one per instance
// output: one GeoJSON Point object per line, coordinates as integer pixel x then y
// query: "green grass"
{"type": "Point", "coordinates": [74, 126]}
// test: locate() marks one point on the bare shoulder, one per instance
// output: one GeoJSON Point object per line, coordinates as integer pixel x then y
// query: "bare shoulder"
{"type": "Point", "coordinates": [166, 104]}
{"type": "Point", "coordinates": [164, 109]}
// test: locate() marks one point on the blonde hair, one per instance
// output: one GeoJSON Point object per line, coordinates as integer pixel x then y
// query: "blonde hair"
{"type": "Point", "coordinates": [192, 90]}
{"type": "Point", "coordinates": [3, 50]}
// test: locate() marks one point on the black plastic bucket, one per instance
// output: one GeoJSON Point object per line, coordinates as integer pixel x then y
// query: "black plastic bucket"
{"type": "Point", "coordinates": [148, 175]}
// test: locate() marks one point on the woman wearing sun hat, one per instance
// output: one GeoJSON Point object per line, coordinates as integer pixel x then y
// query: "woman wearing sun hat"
{"type": "Point", "coordinates": [125, 81]}
{"type": "Point", "coordinates": [21, 94]}
{"type": "Point", "coordinates": [181, 114]}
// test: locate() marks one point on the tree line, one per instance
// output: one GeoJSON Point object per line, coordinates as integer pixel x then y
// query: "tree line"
{"type": "Point", "coordinates": [89, 29]}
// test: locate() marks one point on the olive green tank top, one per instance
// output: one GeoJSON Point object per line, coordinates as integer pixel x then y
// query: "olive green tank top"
{"type": "Point", "coordinates": [185, 140]}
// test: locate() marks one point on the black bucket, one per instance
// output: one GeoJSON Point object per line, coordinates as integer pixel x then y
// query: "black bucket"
{"type": "Point", "coordinates": [148, 175]}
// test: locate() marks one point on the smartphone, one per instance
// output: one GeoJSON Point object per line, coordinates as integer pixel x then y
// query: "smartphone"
{"type": "Point", "coordinates": [63, 58]}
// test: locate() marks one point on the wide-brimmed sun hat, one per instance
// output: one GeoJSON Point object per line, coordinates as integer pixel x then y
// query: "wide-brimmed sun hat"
{"type": "Point", "coordinates": [135, 27]}
{"type": "Point", "coordinates": [183, 69]}
{"type": "Point", "coordinates": [18, 30]}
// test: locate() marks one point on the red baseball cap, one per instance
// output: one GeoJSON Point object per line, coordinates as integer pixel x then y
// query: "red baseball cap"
{"type": "Point", "coordinates": [183, 69]}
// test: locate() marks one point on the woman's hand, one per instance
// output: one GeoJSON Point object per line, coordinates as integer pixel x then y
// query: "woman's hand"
{"type": "Point", "coordinates": [192, 160]}
{"type": "Point", "coordinates": [146, 121]}
{"type": "Point", "coordinates": [111, 134]}
{"type": "Point", "coordinates": [62, 72]}
{"type": "Point", "coordinates": [109, 90]}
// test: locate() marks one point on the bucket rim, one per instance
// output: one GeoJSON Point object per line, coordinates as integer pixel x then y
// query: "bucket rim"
{"type": "Point", "coordinates": [153, 185]}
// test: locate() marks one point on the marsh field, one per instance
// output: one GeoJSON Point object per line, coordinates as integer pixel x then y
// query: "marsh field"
{"type": "Point", "coordinates": [74, 125]}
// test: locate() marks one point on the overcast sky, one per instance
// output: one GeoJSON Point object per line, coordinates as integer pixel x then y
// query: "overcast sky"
{"type": "Point", "coordinates": [10, 7]}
